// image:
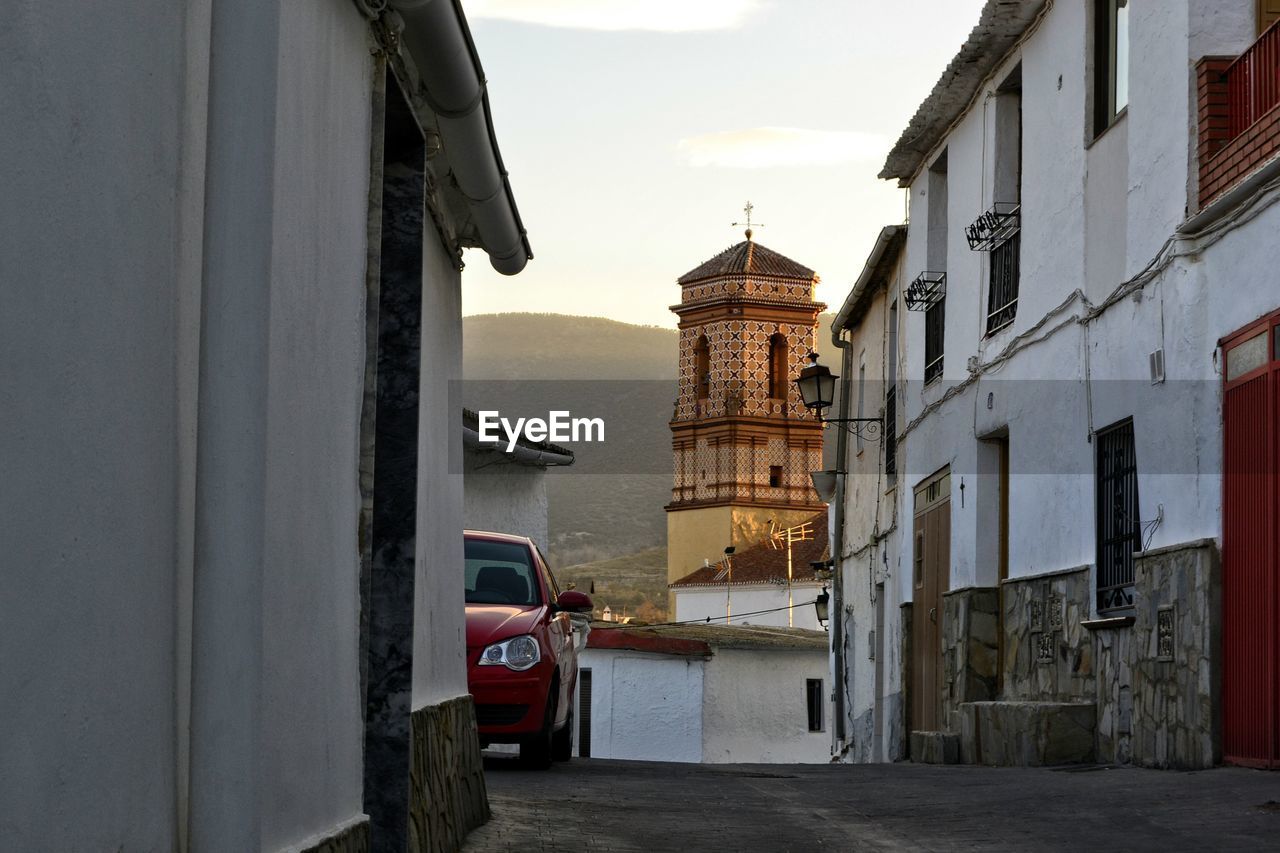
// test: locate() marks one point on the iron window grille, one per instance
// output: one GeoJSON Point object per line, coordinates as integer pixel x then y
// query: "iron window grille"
{"type": "Point", "coordinates": [934, 334]}
{"type": "Point", "coordinates": [928, 289]}
{"type": "Point", "coordinates": [813, 699]}
{"type": "Point", "coordinates": [890, 431]}
{"type": "Point", "coordinates": [994, 228]}
{"type": "Point", "coordinates": [1002, 294]}
{"type": "Point", "coordinates": [1119, 530]}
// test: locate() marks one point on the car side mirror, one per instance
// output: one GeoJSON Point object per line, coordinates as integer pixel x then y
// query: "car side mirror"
{"type": "Point", "coordinates": [574, 602]}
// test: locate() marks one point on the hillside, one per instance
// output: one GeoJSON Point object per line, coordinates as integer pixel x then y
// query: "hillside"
{"type": "Point", "coordinates": [634, 585]}
{"type": "Point", "coordinates": [558, 346]}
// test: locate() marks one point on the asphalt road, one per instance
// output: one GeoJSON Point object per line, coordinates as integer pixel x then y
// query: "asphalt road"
{"type": "Point", "coordinates": [595, 805]}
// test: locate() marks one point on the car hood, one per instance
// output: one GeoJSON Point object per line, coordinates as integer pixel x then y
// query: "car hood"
{"type": "Point", "coordinates": [492, 623]}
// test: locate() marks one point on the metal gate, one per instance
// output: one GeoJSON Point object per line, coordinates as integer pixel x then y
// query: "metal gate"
{"type": "Point", "coordinates": [1250, 547]}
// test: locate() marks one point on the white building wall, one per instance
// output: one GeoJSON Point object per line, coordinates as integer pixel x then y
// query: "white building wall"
{"type": "Point", "coordinates": [703, 602]}
{"type": "Point", "coordinates": [756, 711]}
{"type": "Point", "coordinates": [504, 497]}
{"type": "Point", "coordinates": [315, 372]}
{"type": "Point", "coordinates": [439, 634]}
{"type": "Point", "coordinates": [645, 707]}
{"type": "Point", "coordinates": [1095, 212]}
{"type": "Point", "coordinates": [92, 141]}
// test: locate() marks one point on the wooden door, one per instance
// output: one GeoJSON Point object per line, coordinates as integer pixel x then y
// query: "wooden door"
{"type": "Point", "coordinates": [1268, 14]}
{"type": "Point", "coordinates": [931, 575]}
{"type": "Point", "coordinates": [1251, 546]}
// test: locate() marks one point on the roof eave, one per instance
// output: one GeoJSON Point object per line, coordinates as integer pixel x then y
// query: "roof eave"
{"type": "Point", "coordinates": [884, 254]}
{"type": "Point", "coordinates": [1001, 26]}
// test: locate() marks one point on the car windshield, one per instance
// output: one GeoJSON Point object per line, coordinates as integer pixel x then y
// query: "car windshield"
{"type": "Point", "coordinates": [499, 573]}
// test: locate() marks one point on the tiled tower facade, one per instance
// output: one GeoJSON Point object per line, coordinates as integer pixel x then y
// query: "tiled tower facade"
{"type": "Point", "coordinates": [742, 442]}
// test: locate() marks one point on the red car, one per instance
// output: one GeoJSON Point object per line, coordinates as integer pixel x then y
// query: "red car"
{"type": "Point", "coordinates": [522, 663]}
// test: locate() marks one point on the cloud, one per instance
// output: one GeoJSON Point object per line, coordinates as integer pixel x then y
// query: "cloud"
{"type": "Point", "coordinates": [767, 147]}
{"type": "Point", "coordinates": [652, 15]}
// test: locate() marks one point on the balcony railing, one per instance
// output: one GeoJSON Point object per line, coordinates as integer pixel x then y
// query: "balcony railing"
{"type": "Point", "coordinates": [1253, 82]}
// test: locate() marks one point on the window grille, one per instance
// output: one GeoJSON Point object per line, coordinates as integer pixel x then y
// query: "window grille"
{"type": "Point", "coordinates": [1119, 530]}
{"type": "Point", "coordinates": [813, 697]}
{"type": "Point", "coordinates": [891, 431]}
{"type": "Point", "coordinates": [1002, 295]}
{"type": "Point", "coordinates": [584, 713]}
{"type": "Point", "coordinates": [934, 329]}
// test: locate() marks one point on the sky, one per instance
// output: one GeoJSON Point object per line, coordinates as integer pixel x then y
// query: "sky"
{"type": "Point", "coordinates": [634, 132]}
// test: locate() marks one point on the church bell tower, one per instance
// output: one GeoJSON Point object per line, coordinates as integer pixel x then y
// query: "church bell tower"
{"type": "Point", "coordinates": [742, 442]}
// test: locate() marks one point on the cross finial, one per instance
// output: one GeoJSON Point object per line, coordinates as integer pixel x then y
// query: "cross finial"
{"type": "Point", "coordinates": [747, 210]}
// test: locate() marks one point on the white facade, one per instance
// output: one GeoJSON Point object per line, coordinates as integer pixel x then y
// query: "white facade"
{"type": "Point", "coordinates": [183, 358]}
{"type": "Point", "coordinates": [755, 604]}
{"type": "Point", "coordinates": [725, 705]}
{"type": "Point", "coordinates": [1110, 273]}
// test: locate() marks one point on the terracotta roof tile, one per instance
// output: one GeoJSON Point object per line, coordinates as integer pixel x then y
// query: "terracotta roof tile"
{"type": "Point", "coordinates": [749, 257]}
{"type": "Point", "coordinates": [763, 564]}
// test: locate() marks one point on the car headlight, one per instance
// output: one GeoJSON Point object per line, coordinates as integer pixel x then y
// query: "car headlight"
{"type": "Point", "coordinates": [518, 653]}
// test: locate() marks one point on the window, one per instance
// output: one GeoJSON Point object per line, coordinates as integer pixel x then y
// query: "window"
{"type": "Point", "coordinates": [1002, 285]}
{"type": "Point", "coordinates": [499, 573]}
{"type": "Point", "coordinates": [936, 248]}
{"type": "Point", "coordinates": [775, 476]}
{"type": "Point", "coordinates": [862, 398]}
{"type": "Point", "coordinates": [702, 367]}
{"type": "Point", "coordinates": [1111, 62]}
{"type": "Point", "coordinates": [813, 698]}
{"type": "Point", "coordinates": [891, 400]}
{"type": "Point", "coordinates": [934, 331]}
{"type": "Point", "coordinates": [1119, 531]}
{"type": "Point", "coordinates": [778, 367]}
{"type": "Point", "coordinates": [584, 712]}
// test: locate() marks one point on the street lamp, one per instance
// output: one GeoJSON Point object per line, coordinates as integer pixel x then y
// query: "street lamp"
{"type": "Point", "coordinates": [822, 605]}
{"type": "Point", "coordinates": [817, 386]}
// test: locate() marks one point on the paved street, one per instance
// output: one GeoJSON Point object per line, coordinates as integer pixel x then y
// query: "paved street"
{"type": "Point", "coordinates": [594, 805]}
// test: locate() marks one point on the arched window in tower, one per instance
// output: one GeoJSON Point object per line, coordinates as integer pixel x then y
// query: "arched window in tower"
{"type": "Point", "coordinates": [778, 367]}
{"type": "Point", "coordinates": [702, 368]}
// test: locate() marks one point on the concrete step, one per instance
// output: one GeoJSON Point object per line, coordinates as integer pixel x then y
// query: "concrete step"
{"type": "Point", "coordinates": [1027, 734]}
{"type": "Point", "coordinates": [935, 747]}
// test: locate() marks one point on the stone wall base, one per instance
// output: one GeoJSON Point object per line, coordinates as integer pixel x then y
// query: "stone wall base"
{"type": "Point", "coordinates": [448, 797]}
{"type": "Point", "coordinates": [1027, 734]}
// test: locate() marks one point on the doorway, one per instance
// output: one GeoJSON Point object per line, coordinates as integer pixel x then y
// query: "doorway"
{"type": "Point", "coordinates": [1251, 545]}
{"type": "Point", "coordinates": [931, 576]}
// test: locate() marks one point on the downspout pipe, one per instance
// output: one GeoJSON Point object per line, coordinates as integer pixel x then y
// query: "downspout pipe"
{"type": "Point", "coordinates": [439, 40]}
{"type": "Point", "coordinates": [837, 545]}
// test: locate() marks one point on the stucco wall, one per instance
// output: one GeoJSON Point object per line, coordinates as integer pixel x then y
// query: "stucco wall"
{"type": "Point", "coordinates": [505, 497]}
{"type": "Point", "coordinates": [755, 708]}
{"type": "Point", "coordinates": [1094, 213]}
{"type": "Point", "coordinates": [645, 707]}
{"type": "Point", "coordinates": [701, 602]}
{"type": "Point", "coordinates": [315, 353]}
{"type": "Point", "coordinates": [89, 249]}
{"type": "Point", "coordinates": [439, 641]}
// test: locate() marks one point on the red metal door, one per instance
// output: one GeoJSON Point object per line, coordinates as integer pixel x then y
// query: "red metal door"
{"type": "Point", "coordinates": [1251, 547]}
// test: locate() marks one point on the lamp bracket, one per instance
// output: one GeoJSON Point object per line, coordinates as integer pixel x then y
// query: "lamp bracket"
{"type": "Point", "coordinates": [868, 429]}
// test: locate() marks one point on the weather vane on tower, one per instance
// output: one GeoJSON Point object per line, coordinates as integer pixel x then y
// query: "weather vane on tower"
{"type": "Point", "coordinates": [747, 210]}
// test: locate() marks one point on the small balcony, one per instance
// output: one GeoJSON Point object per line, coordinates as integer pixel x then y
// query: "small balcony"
{"type": "Point", "coordinates": [1239, 114]}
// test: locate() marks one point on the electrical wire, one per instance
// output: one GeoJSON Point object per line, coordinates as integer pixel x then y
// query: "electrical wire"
{"type": "Point", "coordinates": [708, 620]}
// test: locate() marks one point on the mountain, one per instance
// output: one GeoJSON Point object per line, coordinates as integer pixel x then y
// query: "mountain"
{"type": "Point", "coordinates": [558, 346]}
{"type": "Point", "coordinates": [609, 503]}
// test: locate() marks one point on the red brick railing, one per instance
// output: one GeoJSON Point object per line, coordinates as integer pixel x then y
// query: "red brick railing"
{"type": "Point", "coordinates": [1239, 114]}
